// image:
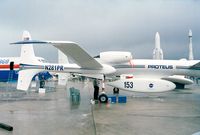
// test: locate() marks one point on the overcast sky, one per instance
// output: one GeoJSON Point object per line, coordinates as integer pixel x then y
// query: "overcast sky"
{"type": "Point", "coordinates": [102, 25]}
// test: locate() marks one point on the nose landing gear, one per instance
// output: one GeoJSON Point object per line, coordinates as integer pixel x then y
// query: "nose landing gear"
{"type": "Point", "coordinates": [103, 98]}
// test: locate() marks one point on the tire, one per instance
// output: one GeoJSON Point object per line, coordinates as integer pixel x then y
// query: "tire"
{"type": "Point", "coordinates": [115, 90]}
{"type": "Point", "coordinates": [103, 98]}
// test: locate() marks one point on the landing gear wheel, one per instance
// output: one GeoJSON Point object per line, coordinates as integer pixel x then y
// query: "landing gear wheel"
{"type": "Point", "coordinates": [115, 90]}
{"type": "Point", "coordinates": [103, 98]}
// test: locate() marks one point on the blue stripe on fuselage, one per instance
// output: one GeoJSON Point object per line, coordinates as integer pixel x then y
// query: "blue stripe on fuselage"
{"type": "Point", "coordinates": [5, 74]}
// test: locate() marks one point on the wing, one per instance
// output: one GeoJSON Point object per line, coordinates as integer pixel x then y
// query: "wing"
{"type": "Point", "coordinates": [195, 66]}
{"type": "Point", "coordinates": [81, 57]}
{"type": "Point", "coordinates": [71, 49]}
{"type": "Point", "coordinates": [178, 79]}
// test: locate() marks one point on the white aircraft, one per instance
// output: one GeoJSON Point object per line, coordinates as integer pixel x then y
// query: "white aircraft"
{"type": "Point", "coordinates": [9, 66]}
{"type": "Point", "coordinates": [149, 75]}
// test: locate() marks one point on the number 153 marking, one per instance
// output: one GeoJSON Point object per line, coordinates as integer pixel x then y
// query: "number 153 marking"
{"type": "Point", "coordinates": [128, 84]}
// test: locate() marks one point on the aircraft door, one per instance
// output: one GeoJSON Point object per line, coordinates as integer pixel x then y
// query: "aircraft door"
{"type": "Point", "coordinates": [11, 65]}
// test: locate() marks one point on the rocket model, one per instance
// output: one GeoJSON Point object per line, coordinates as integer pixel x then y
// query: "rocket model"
{"type": "Point", "coordinates": [191, 57]}
{"type": "Point", "coordinates": [157, 52]}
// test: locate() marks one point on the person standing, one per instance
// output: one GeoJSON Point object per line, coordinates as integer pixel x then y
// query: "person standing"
{"type": "Point", "coordinates": [96, 89]}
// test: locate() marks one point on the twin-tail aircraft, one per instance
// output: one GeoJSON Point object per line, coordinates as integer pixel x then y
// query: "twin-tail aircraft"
{"type": "Point", "coordinates": [148, 75]}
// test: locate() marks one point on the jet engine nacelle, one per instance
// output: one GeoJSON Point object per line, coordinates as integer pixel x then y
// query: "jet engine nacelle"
{"type": "Point", "coordinates": [115, 57]}
{"type": "Point", "coordinates": [143, 85]}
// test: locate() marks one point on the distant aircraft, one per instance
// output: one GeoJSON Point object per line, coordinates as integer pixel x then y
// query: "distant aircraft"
{"type": "Point", "coordinates": [149, 75]}
{"type": "Point", "coordinates": [9, 66]}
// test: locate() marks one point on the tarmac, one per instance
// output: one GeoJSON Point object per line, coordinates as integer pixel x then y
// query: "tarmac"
{"type": "Point", "coordinates": [53, 113]}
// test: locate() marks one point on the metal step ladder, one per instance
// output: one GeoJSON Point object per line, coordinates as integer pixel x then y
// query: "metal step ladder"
{"type": "Point", "coordinates": [10, 76]}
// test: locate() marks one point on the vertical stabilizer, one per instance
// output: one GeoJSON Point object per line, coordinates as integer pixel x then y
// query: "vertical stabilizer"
{"type": "Point", "coordinates": [27, 58]}
{"type": "Point", "coordinates": [27, 51]}
{"type": "Point", "coordinates": [62, 77]}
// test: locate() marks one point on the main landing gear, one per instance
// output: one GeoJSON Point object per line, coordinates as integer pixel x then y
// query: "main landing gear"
{"type": "Point", "coordinates": [179, 86]}
{"type": "Point", "coordinates": [103, 98]}
{"type": "Point", "coordinates": [115, 90]}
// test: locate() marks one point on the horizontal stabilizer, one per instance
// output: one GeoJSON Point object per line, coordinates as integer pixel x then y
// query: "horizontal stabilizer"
{"type": "Point", "coordinates": [29, 42]}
